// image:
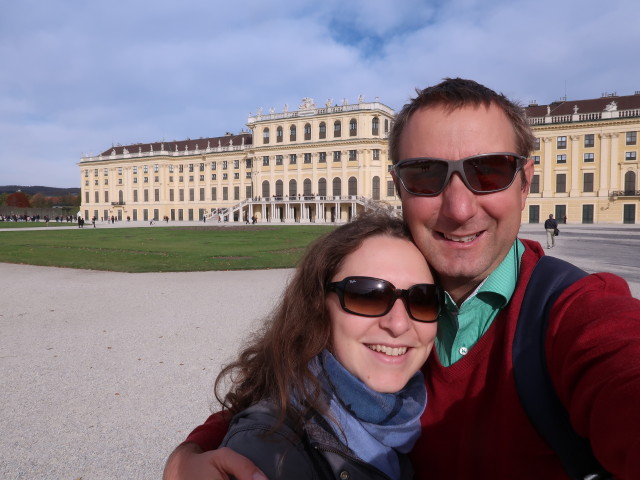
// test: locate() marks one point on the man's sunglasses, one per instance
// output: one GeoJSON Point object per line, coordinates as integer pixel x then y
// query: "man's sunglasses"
{"type": "Point", "coordinates": [485, 173]}
{"type": "Point", "coordinates": [374, 297]}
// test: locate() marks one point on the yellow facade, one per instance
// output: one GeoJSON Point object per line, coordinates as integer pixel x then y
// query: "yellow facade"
{"type": "Point", "coordinates": [314, 164]}
{"type": "Point", "coordinates": [326, 163]}
{"type": "Point", "coordinates": [586, 161]}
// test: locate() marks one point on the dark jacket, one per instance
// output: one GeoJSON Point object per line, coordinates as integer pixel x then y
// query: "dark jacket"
{"type": "Point", "coordinates": [283, 454]}
{"type": "Point", "coordinates": [550, 223]}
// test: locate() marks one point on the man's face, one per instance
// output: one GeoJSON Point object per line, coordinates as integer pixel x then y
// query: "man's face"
{"type": "Point", "coordinates": [464, 236]}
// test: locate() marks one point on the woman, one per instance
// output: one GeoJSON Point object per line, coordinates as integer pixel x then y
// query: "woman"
{"type": "Point", "coordinates": [331, 387]}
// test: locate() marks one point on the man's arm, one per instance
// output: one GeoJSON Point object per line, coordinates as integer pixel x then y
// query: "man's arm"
{"type": "Point", "coordinates": [189, 462]}
{"type": "Point", "coordinates": [198, 459]}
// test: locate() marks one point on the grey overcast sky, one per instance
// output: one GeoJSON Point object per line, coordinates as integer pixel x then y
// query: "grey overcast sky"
{"type": "Point", "coordinates": [77, 77]}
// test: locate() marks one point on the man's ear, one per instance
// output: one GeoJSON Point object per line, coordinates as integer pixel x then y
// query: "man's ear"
{"type": "Point", "coordinates": [527, 171]}
{"type": "Point", "coordinates": [396, 182]}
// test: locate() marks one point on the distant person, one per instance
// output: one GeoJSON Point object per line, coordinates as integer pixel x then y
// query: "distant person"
{"type": "Point", "coordinates": [550, 225]}
{"type": "Point", "coordinates": [93, 221]}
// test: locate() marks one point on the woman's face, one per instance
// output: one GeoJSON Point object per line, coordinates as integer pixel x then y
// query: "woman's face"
{"type": "Point", "coordinates": [383, 352]}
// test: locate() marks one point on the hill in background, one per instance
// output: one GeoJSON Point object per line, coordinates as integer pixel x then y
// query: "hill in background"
{"type": "Point", "coordinates": [45, 191]}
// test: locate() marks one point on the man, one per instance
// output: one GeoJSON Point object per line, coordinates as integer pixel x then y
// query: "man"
{"type": "Point", "coordinates": [462, 169]}
{"type": "Point", "coordinates": [550, 226]}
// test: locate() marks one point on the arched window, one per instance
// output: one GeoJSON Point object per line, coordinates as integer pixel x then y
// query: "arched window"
{"type": "Point", "coordinates": [266, 191]}
{"type": "Point", "coordinates": [323, 130]}
{"type": "Point", "coordinates": [292, 133]}
{"type": "Point", "coordinates": [353, 127]}
{"type": "Point", "coordinates": [279, 188]}
{"type": "Point", "coordinates": [353, 186]}
{"type": "Point", "coordinates": [375, 126]}
{"type": "Point", "coordinates": [306, 187]}
{"type": "Point", "coordinates": [293, 188]}
{"type": "Point", "coordinates": [322, 187]}
{"type": "Point", "coordinates": [337, 187]}
{"type": "Point", "coordinates": [307, 131]}
{"type": "Point", "coordinates": [337, 128]}
{"type": "Point", "coordinates": [265, 135]}
{"type": "Point", "coordinates": [629, 183]}
{"type": "Point", "coordinates": [375, 188]}
{"type": "Point", "coordinates": [386, 125]}
{"type": "Point", "coordinates": [279, 134]}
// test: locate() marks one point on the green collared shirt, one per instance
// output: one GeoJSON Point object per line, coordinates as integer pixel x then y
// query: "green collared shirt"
{"type": "Point", "coordinates": [460, 327]}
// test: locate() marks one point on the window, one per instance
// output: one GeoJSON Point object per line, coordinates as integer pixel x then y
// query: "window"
{"type": "Point", "coordinates": [536, 144]}
{"type": "Point", "coordinates": [181, 195]}
{"type": "Point", "coordinates": [337, 129]}
{"type": "Point", "coordinates": [135, 169]}
{"type": "Point", "coordinates": [156, 168]}
{"type": "Point", "coordinates": [156, 194]}
{"type": "Point", "coordinates": [353, 127]}
{"type": "Point", "coordinates": [247, 174]}
{"type": "Point", "coordinates": [293, 188]}
{"type": "Point", "coordinates": [376, 154]}
{"type": "Point", "coordinates": [587, 183]}
{"type": "Point", "coordinates": [191, 168]}
{"type": "Point", "coordinates": [293, 159]}
{"type": "Point", "coordinates": [225, 193]}
{"type": "Point", "coordinates": [353, 154]}
{"type": "Point", "coordinates": [97, 195]}
{"type": "Point", "coordinates": [135, 195]}
{"type": "Point", "coordinates": [279, 159]}
{"type": "Point", "coordinates": [534, 187]}
{"type": "Point", "coordinates": [352, 186]}
{"type": "Point", "coordinates": [171, 196]}
{"type": "Point", "coordinates": [266, 191]}
{"type": "Point", "coordinates": [202, 167]}
{"type": "Point", "coordinates": [236, 164]}
{"type": "Point", "coordinates": [561, 143]}
{"type": "Point", "coordinates": [391, 191]}
{"type": "Point", "coordinates": [170, 169]}
{"type": "Point", "coordinates": [106, 181]}
{"type": "Point", "coordinates": [336, 156]}
{"type": "Point", "coordinates": [375, 188]}
{"type": "Point", "coordinates": [248, 191]}
{"type": "Point", "coordinates": [307, 131]}
{"type": "Point", "coordinates": [120, 181]}
{"type": "Point", "coordinates": [632, 138]}
{"type": "Point", "coordinates": [225, 176]}
{"type": "Point", "coordinates": [225, 164]}
{"type": "Point", "coordinates": [589, 157]}
{"type": "Point", "coordinates": [589, 140]}
{"type": "Point", "coordinates": [292, 133]}
{"type": "Point", "coordinates": [236, 193]}
{"type": "Point", "coordinates": [191, 178]}
{"type": "Point", "coordinates": [323, 130]}
{"type": "Point", "coordinates": [119, 170]}
{"type": "Point", "coordinates": [214, 176]}
{"type": "Point", "coordinates": [106, 171]}
{"type": "Point", "coordinates": [337, 186]}
{"type": "Point", "coordinates": [265, 135]}
{"type": "Point", "coordinates": [561, 158]}
{"type": "Point", "coordinates": [135, 179]}
{"type": "Point", "coordinates": [322, 157]}
{"type": "Point", "coordinates": [214, 193]}
{"type": "Point", "coordinates": [536, 159]}
{"type": "Point", "coordinates": [236, 176]}
{"type": "Point", "coordinates": [630, 155]}
{"type": "Point", "coordinates": [265, 161]}
{"type": "Point", "coordinates": [375, 126]}
{"type": "Point", "coordinates": [170, 178]}
{"type": "Point", "coordinates": [307, 158]}
{"type": "Point", "coordinates": [279, 134]}
{"type": "Point", "coordinates": [248, 163]}
{"type": "Point", "coordinates": [86, 174]}
{"type": "Point", "coordinates": [145, 195]}
{"type": "Point", "coordinates": [180, 168]}
{"type": "Point", "coordinates": [561, 183]}
{"type": "Point", "coordinates": [201, 178]}
{"type": "Point", "coordinates": [192, 195]}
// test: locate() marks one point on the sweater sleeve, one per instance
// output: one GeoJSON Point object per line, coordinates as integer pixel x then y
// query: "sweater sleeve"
{"type": "Point", "coordinates": [593, 353]}
{"type": "Point", "coordinates": [209, 435]}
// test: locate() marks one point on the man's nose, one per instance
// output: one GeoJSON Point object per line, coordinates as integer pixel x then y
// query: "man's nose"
{"type": "Point", "coordinates": [458, 202]}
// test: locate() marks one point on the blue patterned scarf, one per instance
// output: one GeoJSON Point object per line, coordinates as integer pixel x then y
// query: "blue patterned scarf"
{"type": "Point", "coordinates": [375, 426]}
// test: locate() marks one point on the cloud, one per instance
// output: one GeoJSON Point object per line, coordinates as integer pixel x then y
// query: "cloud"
{"type": "Point", "coordinates": [77, 77]}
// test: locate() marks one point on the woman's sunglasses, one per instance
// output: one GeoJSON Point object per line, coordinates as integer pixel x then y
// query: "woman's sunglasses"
{"type": "Point", "coordinates": [374, 297]}
{"type": "Point", "coordinates": [485, 173]}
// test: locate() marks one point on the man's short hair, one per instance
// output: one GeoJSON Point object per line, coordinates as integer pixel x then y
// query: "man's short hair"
{"type": "Point", "coordinates": [456, 93]}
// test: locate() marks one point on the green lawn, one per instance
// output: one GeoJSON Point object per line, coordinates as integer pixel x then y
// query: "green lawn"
{"type": "Point", "coordinates": [166, 249]}
{"type": "Point", "coordinates": [36, 224]}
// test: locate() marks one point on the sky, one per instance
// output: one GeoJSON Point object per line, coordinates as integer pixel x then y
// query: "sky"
{"type": "Point", "coordinates": [77, 77]}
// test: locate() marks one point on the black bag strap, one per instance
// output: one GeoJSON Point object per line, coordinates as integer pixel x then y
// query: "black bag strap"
{"type": "Point", "coordinates": [550, 277]}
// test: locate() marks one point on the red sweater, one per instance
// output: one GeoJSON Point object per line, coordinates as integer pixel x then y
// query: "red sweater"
{"type": "Point", "coordinates": [474, 426]}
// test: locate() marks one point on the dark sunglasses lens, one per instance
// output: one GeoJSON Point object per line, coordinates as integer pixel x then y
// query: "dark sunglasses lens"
{"type": "Point", "coordinates": [424, 177]}
{"type": "Point", "coordinates": [423, 302]}
{"type": "Point", "coordinates": [366, 296]}
{"type": "Point", "coordinates": [491, 172]}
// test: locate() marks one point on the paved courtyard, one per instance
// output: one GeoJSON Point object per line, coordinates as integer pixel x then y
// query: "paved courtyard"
{"type": "Point", "coordinates": [103, 373]}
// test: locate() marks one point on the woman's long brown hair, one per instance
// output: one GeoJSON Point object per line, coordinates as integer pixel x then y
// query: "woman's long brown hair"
{"type": "Point", "coordinates": [274, 363]}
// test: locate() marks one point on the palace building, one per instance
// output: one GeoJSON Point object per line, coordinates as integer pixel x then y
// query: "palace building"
{"type": "Point", "coordinates": [327, 163]}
